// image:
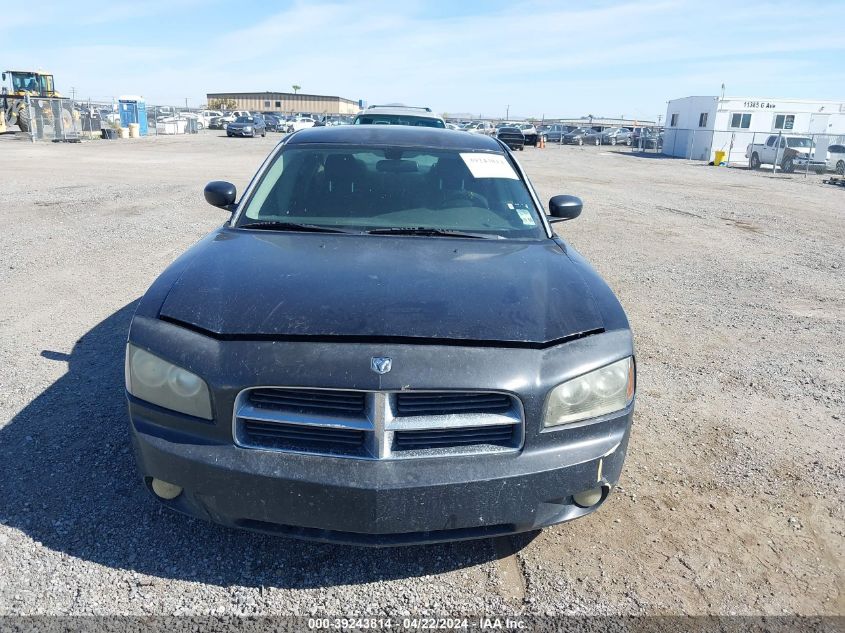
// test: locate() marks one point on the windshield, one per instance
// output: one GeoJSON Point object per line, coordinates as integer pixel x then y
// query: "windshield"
{"type": "Point", "coordinates": [243, 119]}
{"type": "Point", "coordinates": [366, 188]}
{"type": "Point", "coordinates": [398, 119]}
{"type": "Point", "coordinates": [799, 142]}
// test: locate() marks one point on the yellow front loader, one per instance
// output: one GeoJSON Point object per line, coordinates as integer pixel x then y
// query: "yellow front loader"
{"type": "Point", "coordinates": [23, 84]}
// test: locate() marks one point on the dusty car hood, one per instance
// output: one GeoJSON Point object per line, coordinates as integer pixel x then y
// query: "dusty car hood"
{"type": "Point", "coordinates": [243, 283]}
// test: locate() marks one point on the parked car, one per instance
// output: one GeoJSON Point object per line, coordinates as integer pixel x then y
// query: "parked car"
{"type": "Point", "coordinates": [334, 119]}
{"type": "Point", "coordinates": [593, 136]}
{"type": "Point", "coordinates": [651, 139]}
{"type": "Point", "coordinates": [615, 136]}
{"type": "Point", "coordinates": [205, 117]}
{"type": "Point", "coordinates": [216, 123]}
{"type": "Point", "coordinates": [399, 115]}
{"type": "Point", "coordinates": [512, 137]}
{"type": "Point", "coordinates": [530, 133]}
{"type": "Point", "coordinates": [481, 127]}
{"type": "Point", "coordinates": [284, 376]}
{"type": "Point", "coordinates": [273, 122]}
{"type": "Point", "coordinates": [836, 158]}
{"type": "Point", "coordinates": [577, 136]}
{"type": "Point", "coordinates": [252, 125]}
{"type": "Point", "coordinates": [787, 151]}
{"type": "Point", "coordinates": [230, 117]}
{"type": "Point", "coordinates": [556, 131]}
{"type": "Point", "coordinates": [634, 137]}
{"type": "Point", "coordinates": [299, 123]}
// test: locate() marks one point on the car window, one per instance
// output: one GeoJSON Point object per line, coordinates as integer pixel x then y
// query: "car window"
{"type": "Point", "coordinates": [799, 142]}
{"type": "Point", "coordinates": [398, 119]}
{"type": "Point", "coordinates": [366, 188]}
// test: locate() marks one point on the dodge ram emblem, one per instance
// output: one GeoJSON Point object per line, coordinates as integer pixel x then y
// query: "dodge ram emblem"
{"type": "Point", "coordinates": [381, 364]}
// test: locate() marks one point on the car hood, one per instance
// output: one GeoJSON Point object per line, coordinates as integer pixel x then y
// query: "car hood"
{"type": "Point", "coordinates": [258, 283]}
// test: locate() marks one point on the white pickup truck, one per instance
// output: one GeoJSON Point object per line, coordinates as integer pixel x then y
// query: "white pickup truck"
{"type": "Point", "coordinates": [787, 151]}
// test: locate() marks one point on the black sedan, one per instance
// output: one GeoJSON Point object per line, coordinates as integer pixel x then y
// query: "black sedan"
{"type": "Point", "coordinates": [578, 136]}
{"type": "Point", "coordinates": [512, 137]}
{"type": "Point", "coordinates": [274, 123]}
{"type": "Point", "coordinates": [247, 126]}
{"type": "Point", "coordinates": [385, 343]}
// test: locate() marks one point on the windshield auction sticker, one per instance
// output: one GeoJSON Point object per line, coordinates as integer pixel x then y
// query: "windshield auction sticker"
{"type": "Point", "coordinates": [488, 166]}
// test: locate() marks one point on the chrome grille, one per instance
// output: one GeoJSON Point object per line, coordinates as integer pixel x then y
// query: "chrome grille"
{"type": "Point", "coordinates": [376, 424]}
{"type": "Point", "coordinates": [448, 403]}
{"type": "Point", "coordinates": [302, 434]}
{"type": "Point", "coordinates": [309, 400]}
{"type": "Point", "coordinates": [448, 438]}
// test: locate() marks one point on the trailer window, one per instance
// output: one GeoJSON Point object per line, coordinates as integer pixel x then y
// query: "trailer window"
{"type": "Point", "coordinates": [674, 120]}
{"type": "Point", "coordinates": [741, 120]}
{"type": "Point", "coordinates": [784, 121]}
{"type": "Point", "coordinates": [702, 119]}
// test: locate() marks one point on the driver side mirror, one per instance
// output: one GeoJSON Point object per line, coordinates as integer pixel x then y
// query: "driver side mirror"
{"type": "Point", "coordinates": [219, 193]}
{"type": "Point", "coordinates": [562, 208]}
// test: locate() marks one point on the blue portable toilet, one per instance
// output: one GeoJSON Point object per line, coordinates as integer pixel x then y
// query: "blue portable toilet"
{"type": "Point", "coordinates": [133, 109]}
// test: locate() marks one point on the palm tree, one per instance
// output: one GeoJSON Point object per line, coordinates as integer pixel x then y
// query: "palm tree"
{"type": "Point", "coordinates": [296, 88]}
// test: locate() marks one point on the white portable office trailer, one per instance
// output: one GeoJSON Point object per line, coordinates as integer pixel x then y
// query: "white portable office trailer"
{"type": "Point", "coordinates": [698, 127]}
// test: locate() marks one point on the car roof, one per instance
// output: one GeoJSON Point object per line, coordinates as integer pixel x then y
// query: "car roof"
{"type": "Point", "coordinates": [404, 135]}
{"type": "Point", "coordinates": [401, 111]}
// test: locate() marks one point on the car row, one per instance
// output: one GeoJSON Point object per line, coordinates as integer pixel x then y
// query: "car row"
{"type": "Point", "coordinates": [274, 121]}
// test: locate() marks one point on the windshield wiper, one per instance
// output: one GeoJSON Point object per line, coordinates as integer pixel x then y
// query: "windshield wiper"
{"type": "Point", "coordinates": [273, 225]}
{"type": "Point", "coordinates": [423, 230]}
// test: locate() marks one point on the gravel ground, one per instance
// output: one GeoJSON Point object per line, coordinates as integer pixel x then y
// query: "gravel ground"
{"type": "Point", "coordinates": [731, 500]}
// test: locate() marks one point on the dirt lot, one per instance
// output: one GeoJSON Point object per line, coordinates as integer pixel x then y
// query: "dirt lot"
{"type": "Point", "coordinates": [732, 497]}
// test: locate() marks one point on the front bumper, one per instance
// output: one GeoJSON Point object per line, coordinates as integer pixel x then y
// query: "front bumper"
{"type": "Point", "coordinates": [374, 502]}
{"type": "Point", "coordinates": [387, 501]}
{"type": "Point", "coordinates": [802, 163]}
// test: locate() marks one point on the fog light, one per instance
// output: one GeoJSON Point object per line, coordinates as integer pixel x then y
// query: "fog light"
{"type": "Point", "coordinates": [166, 490]}
{"type": "Point", "coordinates": [587, 498]}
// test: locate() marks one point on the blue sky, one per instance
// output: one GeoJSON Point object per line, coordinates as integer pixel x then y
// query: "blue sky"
{"type": "Point", "coordinates": [540, 57]}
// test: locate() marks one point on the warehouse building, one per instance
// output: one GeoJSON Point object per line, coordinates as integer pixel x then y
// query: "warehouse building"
{"type": "Point", "coordinates": [286, 102]}
{"type": "Point", "coordinates": [698, 127]}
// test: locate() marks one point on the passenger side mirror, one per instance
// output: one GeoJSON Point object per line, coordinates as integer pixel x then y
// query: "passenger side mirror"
{"type": "Point", "coordinates": [562, 208]}
{"type": "Point", "coordinates": [219, 193]}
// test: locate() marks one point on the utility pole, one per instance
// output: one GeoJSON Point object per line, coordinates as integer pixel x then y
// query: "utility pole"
{"type": "Point", "coordinates": [507, 112]}
{"type": "Point", "coordinates": [186, 103]}
{"type": "Point", "coordinates": [73, 93]}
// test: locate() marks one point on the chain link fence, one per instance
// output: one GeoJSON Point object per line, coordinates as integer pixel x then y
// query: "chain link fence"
{"type": "Point", "coordinates": [63, 119]}
{"type": "Point", "coordinates": [45, 118]}
{"type": "Point", "coordinates": [779, 151]}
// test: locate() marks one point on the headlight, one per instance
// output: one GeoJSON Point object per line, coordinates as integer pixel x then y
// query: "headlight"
{"type": "Point", "coordinates": [150, 378]}
{"type": "Point", "coordinates": [604, 390]}
{"type": "Point", "coordinates": [247, 128]}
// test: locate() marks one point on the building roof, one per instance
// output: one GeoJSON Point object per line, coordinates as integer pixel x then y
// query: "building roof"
{"type": "Point", "coordinates": [402, 135]}
{"type": "Point", "coordinates": [278, 94]}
